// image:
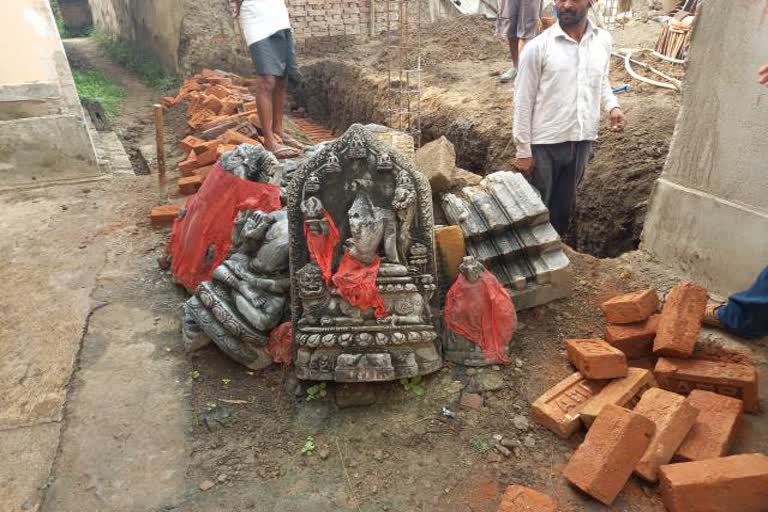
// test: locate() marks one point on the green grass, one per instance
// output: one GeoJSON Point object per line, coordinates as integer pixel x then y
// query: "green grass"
{"type": "Point", "coordinates": [137, 60]}
{"type": "Point", "coordinates": [96, 86]}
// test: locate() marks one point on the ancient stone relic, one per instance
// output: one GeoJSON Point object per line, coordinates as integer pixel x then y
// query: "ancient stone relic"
{"type": "Point", "coordinates": [362, 264]}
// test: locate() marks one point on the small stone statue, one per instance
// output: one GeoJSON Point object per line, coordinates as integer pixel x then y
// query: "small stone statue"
{"type": "Point", "coordinates": [252, 163]}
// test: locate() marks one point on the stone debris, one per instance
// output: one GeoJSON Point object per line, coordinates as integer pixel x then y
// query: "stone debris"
{"type": "Point", "coordinates": [726, 484]}
{"type": "Point", "coordinates": [522, 499]}
{"type": "Point", "coordinates": [674, 417]}
{"type": "Point", "coordinates": [622, 392]}
{"type": "Point", "coordinates": [680, 321]}
{"type": "Point", "coordinates": [559, 408]}
{"type": "Point", "coordinates": [471, 400]}
{"type": "Point", "coordinates": [506, 226]}
{"type": "Point", "coordinates": [630, 308]}
{"type": "Point", "coordinates": [635, 339]}
{"type": "Point", "coordinates": [729, 379]}
{"type": "Point", "coordinates": [612, 448]}
{"type": "Point", "coordinates": [437, 161]}
{"type": "Point", "coordinates": [206, 485]}
{"type": "Point", "coordinates": [596, 358]}
{"type": "Point", "coordinates": [715, 425]}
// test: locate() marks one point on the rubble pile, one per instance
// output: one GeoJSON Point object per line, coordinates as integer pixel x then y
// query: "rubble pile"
{"type": "Point", "coordinates": [671, 424]}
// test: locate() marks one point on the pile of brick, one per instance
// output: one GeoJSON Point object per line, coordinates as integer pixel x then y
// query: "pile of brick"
{"type": "Point", "coordinates": [672, 424]}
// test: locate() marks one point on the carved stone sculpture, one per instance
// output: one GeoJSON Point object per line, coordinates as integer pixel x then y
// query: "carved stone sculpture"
{"type": "Point", "coordinates": [252, 163]}
{"type": "Point", "coordinates": [362, 264]}
{"type": "Point", "coordinates": [248, 293]}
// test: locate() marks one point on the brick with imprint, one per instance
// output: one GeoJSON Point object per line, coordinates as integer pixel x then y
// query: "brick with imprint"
{"type": "Point", "coordinates": [559, 408]}
{"type": "Point", "coordinates": [636, 339]}
{"type": "Point", "coordinates": [680, 322]}
{"type": "Point", "coordinates": [596, 358]}
{"type": "Point", "coordinates": [724, 378]}
{"type": "Point", "coordinates": [624, 392]}
{"type": "Point", "coordinates": [715, 426]}
{"type": "Point", "coordinates": [164, 215]}
{"type": "Point", "coordinates": [522, 499]}
{"type": "Point", "coordinates": [674, 417]}
{"type": "Point", "coordinates": [612, 448]}
{"type": "Point", "coordinates": [738, 483]}
{"type": "Point", "coordinates": [630, 308]}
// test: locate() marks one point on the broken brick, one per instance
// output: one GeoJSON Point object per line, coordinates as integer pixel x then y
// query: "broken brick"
{"type": "Point", "coordinates": [471, 400]}
{"type": "Point", "coordinates": [163, 215]}
{"type": "Point", "coordinates": [200, 118]}
{"type": "Point", "coordinates": [522, 499]}
{"type": "Point", "coordinates": [612, 448]}
{"type": "Point", "coordinates": [229, 107]}
{"type": "Point", "coordinates": [167, 101]}
{"type": "Point", "coordinates": [213, 104]}
{"type": "Point", "coordinates": [596, 359]}
{"type": "Point", "coordinates": [205, 147]}
{"type": "Point", "coordinates": [630, 308]}
{"type": "Point", "coordinates": [223, 148]}
{"type": "Point", "coordinates": [559, 408]}
{"type": "Point", "coordinates": [673, 417]}
{"type": "Point", "coordinates": [190, 164]}
{"type": "Point", "coordinates": [450, 249]}
{"type": "Point", "coordinates": [636, 339]}
{"type": "Point", "coordinates": [189, 185]}
{"type": "Point", "coordinates": [724, 378]}
{"type": "Point", "coordinates": [680, 321]}
{"type": "Point", "coordinates": [203, 171]}
{"type": "Point", "coordinates": [218, 91]}
{"type": "Point", "coordinates": [624, 392]}
{"type": "Point", "coordinates": [237, 138]}
{"type": "Point", "coordinates": [189, 142]}
{"type": "Point", "coordinates": [209, 157]}
{"type": "Point", "coordinates": [726, 484]}
{"type": "Point", "coordinates": [715, 425]}
{"type": "Point", "coordinates": [214, 130]}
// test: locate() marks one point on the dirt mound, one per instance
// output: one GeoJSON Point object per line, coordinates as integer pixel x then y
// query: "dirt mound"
{"type": "Point", "coordinates": [464, 38]}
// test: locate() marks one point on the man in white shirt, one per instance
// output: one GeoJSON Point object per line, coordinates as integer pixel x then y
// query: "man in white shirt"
{"type": "Point", "coordinates": [562, 82]}
{"type": "Point", "coordinates": [267, 31]}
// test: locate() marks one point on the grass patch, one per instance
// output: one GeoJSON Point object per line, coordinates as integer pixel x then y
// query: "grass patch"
{"type": "Point", "coordinates": [137, 60]}
{"type": "Point", "coordinates": [96, 86]}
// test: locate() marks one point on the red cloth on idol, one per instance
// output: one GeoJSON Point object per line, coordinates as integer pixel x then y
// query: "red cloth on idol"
{"type": "Point", "coordinates": [322, 246]}
{"type": "Point", "coordinates": [482, 312]}
{"type": "Point", "coordinates": [356, 283]}
{"type": "Point", "coordinates": [280, 345]}
{"type": "Point", "coordinates": [208, 223]}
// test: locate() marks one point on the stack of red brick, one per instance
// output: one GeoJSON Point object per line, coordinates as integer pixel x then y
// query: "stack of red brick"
{"type": "Point", "coordinates": [672, 424]}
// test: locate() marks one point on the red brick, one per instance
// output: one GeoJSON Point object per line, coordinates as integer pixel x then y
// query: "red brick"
{"type": "Point", "coordinates": [680, 321]}
{"type": "Point", "coordinates": [200, 119]}
{"type": "Point", "coordinates": [223, 148]}
{"type": "Point", "coordinates": [218, 91]}
{"type": "Point", "coordinates": [213, 104]}
{"type": "Point", "coordinates": [205, 146]}
{"type": "Point", "coordinates": [635, 340]}
{"type": "Point", "coordinates": [163, 215]}
{"type": "Point", "coordinates": [559, 408]}
{"type": "Point", "coordinates": [673, 417]}
{"type": "Point", "coordinates": [726, 484]}
{"type": "Point", "coordinates": [729, 379]}
{"type": "Point", "coordinates": [632, 307]}
{"type": "Point", "coordinates": [522, 499]}
{"type": "Point", "coordinates": [612, 448]}
{"type": "Point", "coordinates": [596, 359]}
{"type": "Point", "coordinates": [189, 143]}
{"type": "Point", "coordinates": [187, 166]}
{"type": "Point", "coordinates": [715, 425]}
{"type": "Point", "coordinates": [189, 185]}
{"type": "Point", "coordinates": [208, 158]}
{"type": "Point", "coordinates": [624, 392]}
{"type": "Point", "coordinates": [237, 138]}
{"type": "Point", "coordinates": [450, 249]}
{"type": "Point", "coordinates": [203, 171]}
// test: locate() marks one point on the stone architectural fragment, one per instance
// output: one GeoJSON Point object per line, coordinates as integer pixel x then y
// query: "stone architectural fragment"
{"type": "Point", "coordinates": [636, 339]}
{"type": "Point", "coordinates": [715, 425]}
{"type": "Point", "coordinates": [506, 226]}
{"type": "Point", "coordinates": [632, 307]}
{"type": "Point", "coordinates": [605, 460]}
{"type": "Point", "coordinates": [558, 409]}
{"type": "Point", "coordinates": [362, 264]}
{"type": "Point", "coordinates": [522, 499]}
{"type": "Point", "coordinates": [596, 359]}
{"type": "Point", "coordinates": [673, 417]}
{"type": "Point", "coordinates": [729, 379]}
{"type": "Point", "coordinates": [726, 484]}
{"type": "Point", "coordinates": [622, 392]}
{"type": "Point", "coordinates": [680, 321]}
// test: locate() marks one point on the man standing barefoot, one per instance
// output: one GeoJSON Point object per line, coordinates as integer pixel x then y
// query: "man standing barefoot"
{"type": "Point", "coordinates": [267, 32]}
{"type": "Point", "coordinates": [518, 23]}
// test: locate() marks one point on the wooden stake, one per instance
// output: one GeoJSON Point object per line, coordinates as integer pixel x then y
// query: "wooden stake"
{"type": "Point", "coordinates": [160, 143]}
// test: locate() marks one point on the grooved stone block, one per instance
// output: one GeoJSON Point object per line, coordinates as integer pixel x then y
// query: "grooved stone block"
{"type": "Point", "coordinates": [613, 446]}
{"type": "Point", "coordinates": [673, 417]}
{"type": "Point", "coordinates": [726, 484]}
{"type": "Point", "coordinates": [680, 321]}
{"type": "Point", "coordinates": [636, 339]}
{"type": "Point", "coordinates": [450, 249]}
{"type": "Point", "coordinates": [522, 499]}
{"type": "Point", "coordinates": [596, 359]}
{"type": "Point", "coordinates": [623, 392]}
{"type": "Point", "coordinates": [558, 409]}
{"type": "Point", "coordinates": [632, 307]}
{"type": "Point", "coordinates": [729, 379]}
{"type": "Point", "coordinates": [711, 435]}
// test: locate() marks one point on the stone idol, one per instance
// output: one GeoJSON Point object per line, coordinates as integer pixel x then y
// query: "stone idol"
{"type": "Point", "coordinates": [362, 264]}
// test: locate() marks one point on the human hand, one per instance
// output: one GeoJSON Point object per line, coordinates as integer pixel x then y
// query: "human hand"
{"type": "Point", "coordinates": [762, 75]}
{"type": "Point", "coordinates": [523, 165]}
{"type": "Point", "coordinates": [618, 120]}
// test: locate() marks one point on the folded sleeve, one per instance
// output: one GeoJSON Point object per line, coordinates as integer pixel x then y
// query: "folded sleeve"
{"type": "Point", "coordinates": [526, 87]}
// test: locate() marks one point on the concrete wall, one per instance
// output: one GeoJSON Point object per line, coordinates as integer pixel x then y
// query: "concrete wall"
{"type": "Point", "coordinates": [709, 209]}
{"type": "Point", "coordinates": [43, 135]}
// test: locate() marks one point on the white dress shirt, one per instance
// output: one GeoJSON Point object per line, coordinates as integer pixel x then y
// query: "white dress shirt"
{"type": "Point", "coordinates": [560, 84]}
{"type": "Point", "coordinates": [262, 18]}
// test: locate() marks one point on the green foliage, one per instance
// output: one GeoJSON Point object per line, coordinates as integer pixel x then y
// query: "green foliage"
{"type": "Point", "coordinates": [414, 385]}
{"type": "Point", "coordinates": [95, 86]}
{"type": "Point", "coordinates": [137, 60]}
{"type": "Point", "coordinates": [309, 446]}
{"type": "Point", "coordinates": [64, 32]}
{"type": "Point", "coordinates": [480, 443]}
{"type": "Point", "coordinates": [316, 392]}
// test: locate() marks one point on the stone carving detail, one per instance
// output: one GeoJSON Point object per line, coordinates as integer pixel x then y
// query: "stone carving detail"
{"type": "Point", "coordinates": [382, 209]}
{"type": "Point", "coordinates": [248, 293]}
{"type": "Point", "coordinates": [252, 163]}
